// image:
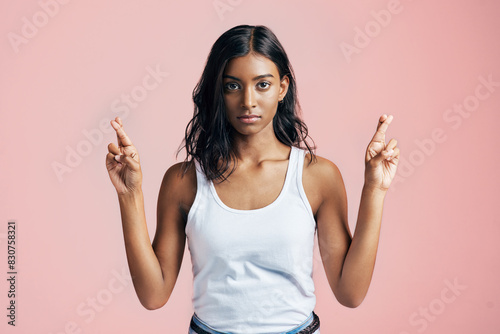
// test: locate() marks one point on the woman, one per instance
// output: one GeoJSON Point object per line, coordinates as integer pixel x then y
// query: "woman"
{"type": "Point", "coordinates": [249, 202]}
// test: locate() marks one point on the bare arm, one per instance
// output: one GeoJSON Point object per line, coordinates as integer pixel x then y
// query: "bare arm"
{"type": "Point", "coordinates": [154, 267]}
{"type": "Point", "coordinates": [349, 261]}
{"type": "Point", "coordinates": [143, 263]}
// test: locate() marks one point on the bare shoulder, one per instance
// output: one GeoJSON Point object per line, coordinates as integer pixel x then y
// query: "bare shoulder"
{"type": "Point", "coordinates": [320, 177]}
{"type": "Point", "coordinates": [321, 170]}
{"type": "Point", "coordinates": [179, 185]}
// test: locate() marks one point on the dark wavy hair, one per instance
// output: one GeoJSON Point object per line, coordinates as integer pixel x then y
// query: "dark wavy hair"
{"type": "Point", "coordinates": [208, 136]}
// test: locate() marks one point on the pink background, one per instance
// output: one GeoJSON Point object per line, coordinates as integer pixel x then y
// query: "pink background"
{"type": "Point", "coordinates": [440, 225]}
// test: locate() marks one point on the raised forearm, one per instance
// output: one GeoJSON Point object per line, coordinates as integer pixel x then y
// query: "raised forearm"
{"type": "Point", "coordinates": [143, 263]}
{"type": "Point", "coordinates": [360, 259]}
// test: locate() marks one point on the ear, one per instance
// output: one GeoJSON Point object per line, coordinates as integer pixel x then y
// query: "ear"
{"type": "Point", "coordinates": [284, 87]}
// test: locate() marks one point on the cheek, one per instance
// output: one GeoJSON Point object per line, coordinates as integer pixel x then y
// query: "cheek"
{"type": "Point", "coordinates": [230, 101]}
{"type": "Point", "coordinates": [269, 101]}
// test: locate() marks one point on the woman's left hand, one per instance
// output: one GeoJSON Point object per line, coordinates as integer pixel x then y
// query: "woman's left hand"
{"type": "Point", "coordinates": [381, 160]}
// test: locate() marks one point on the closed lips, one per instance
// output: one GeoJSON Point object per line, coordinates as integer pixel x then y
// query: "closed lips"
{"type": "Point", "coordinates": [248, 119]}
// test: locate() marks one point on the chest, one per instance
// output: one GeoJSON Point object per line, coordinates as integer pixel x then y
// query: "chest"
{"type": "Point", "coordinates": [250, 189]}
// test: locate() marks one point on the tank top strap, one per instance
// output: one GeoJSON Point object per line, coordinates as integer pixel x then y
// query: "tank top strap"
{"type": "Point", "coordinates": [302, 153]}
{"type": "Point", "coordinates": [300, 163]}
{"type": "Point", "coordinates": [202, 191]}
{"type": "Point", "coordinates": [201, 180]}
{"type": "Point", "coordinates": [293, 164]}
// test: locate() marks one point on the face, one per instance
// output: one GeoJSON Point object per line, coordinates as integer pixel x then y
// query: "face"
{"type": "Point", "coordinates": [252, 89]}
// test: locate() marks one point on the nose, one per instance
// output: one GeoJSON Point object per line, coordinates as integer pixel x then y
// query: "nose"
{"type": "Point", "coordinates": [248, 98]}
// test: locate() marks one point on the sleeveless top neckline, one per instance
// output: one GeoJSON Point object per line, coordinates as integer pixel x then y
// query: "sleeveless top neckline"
{"type": "Point", "coordinates": [291, 161]}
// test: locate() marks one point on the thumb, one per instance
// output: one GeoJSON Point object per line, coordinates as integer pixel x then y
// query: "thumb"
{"type": "Point", "coordinates": [383, 155]}
{"type": "Point", "coordinates": [127, 160]}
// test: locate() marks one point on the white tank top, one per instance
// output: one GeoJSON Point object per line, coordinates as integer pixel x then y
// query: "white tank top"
{"type": "Point", "coordinates": [252, 269]}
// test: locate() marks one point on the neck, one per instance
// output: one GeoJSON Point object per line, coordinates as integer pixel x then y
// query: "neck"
{"type": "Point", "coordinates": [255, 149]}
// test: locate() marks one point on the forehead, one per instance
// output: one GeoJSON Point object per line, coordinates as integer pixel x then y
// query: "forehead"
{"type": "Point", "coordinates": [250, 66]}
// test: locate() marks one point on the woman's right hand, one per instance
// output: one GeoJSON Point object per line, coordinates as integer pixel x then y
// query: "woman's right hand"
{"type": "Point", "coordinates": [123, 162]}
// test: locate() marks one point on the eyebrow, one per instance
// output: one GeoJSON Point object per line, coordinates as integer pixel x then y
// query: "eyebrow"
{"type": "Point", "coordinates": [256, 78]}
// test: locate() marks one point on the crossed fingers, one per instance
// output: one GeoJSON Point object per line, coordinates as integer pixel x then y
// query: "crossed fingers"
{"type": "Point", "coordinates": [382, 126]}
{"type": "Point", "coordinates": [123, 139]}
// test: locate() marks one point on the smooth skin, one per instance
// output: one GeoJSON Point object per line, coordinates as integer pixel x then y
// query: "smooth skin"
{"type": "Point", "coordinates": [252, 86]}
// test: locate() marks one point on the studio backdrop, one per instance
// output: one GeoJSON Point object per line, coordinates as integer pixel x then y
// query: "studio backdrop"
{"type": "Point", "coordinates": [68, 67]}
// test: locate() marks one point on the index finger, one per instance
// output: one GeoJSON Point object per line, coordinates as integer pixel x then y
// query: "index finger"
{"type": "Point", "coordinates": [123, 139]}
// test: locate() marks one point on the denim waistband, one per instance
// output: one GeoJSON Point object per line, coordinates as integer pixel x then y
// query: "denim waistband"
{"type": "Point", "coordinates": [204, 328]}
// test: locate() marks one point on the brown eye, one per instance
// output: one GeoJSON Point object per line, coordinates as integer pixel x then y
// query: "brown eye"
{"type": "Point", "coordinates": [265, 83]}
{"type": "Point", "coordinates": [229, 85]}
